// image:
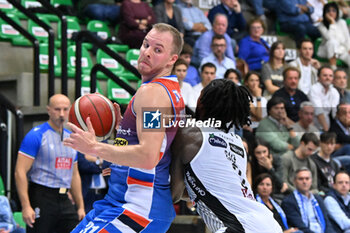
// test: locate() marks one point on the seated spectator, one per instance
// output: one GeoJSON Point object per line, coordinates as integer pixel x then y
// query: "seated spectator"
{"type": "Point", "coordinates": [233, 75]}
{"type": "Point", "coordinates": [337, 202]}
{"type": "Point", "coordinates": [324, 97]}
{"type": "Point", "coordinates": [137, 20]}
{"type": "Point", "coordinates": [290, 93]}
{"type": "Point", "coordinates": [335, 36]}
{"type": "Point", "coordinates": [272, 70]}
{"type": "Point", "coordinates": [341, 127]}
{"type": "Point", "coordinates": [260, 5]}
{"type": "Point", "coordinates": [104, 10]}
{"type": "Point", "coordinates": [252, 48]}
{"type": "Point", "coordinates": [194, 20]}
{"type": "Point", "coordinates": [340, 82]}
{"type": "Point", "coordinates": [180, 70]}
{"type": "Point", "coordinates": [306, 119]}
{"type": "Point", "coordinates": [94, 185]}
{"type": "Point", "coordinates": [307, 65]}
{"type": "Point", "coordinates": [326, 166]}
{"type": "Point", "coordinates": [263, 189]}
{"type": "Point", "coordinates": [305, 210]}
{"type": "Point", "coordinates": [276, 130]}
{"type": "Point", "coordinates": [258, 105]}
{"type": "Point", "coordinates": [316, 16]}
{"type": "Point", "coordinates": [208, 71]}
{"type": "Point", "coordinates": [167, 12]}
{"type": "Point", "coordinates": [344, 8]}
{"type": "Point", "coordinates": [236, 21]}
{"type": "Point", "coordinates": [301, 157]}
{"type": "Point", "coordinates": [192, 76]}
{"type": "Point", "coordinates": [7, 222]}
{"type": "Point", "coordinates": [263, 161]}
{"type": "Point", "coordinates": [218, 57]}
{"type": "Point", "coordinates": [294, 18]}
{"type": "Point", "coordinates": [203, 46]}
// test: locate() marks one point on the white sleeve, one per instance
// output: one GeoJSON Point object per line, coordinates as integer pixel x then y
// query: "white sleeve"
{"type": "Point", "coordinates": [336, 213]}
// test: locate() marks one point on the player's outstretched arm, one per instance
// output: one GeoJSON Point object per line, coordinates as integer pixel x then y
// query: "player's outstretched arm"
{"type": "Point", "coordinates": [143, 155]}
{"type": "Point", "coordinates": [185, 146]}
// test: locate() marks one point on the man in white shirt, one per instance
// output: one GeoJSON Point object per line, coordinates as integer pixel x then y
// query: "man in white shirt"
{"type": "Point", "coordinates": [324, 97]}
{"type": "Point", "coordinates": [218, 57]}
{"type": "Point", "coordinates": [307, 65]}
{"type": "Point", "coordinates": [208, 71]}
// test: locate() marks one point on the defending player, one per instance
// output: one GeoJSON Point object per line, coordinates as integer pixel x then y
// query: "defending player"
{"type": "Point", "coordinates": [213, 162]}
{"type": "Point", "coordinates": [139, 196]}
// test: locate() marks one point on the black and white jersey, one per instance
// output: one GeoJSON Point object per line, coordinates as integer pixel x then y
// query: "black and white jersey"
{"type": "Point", "coordinates": [216, 181]}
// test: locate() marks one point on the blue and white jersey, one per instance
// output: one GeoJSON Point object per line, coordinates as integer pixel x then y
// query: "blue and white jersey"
{"type": "Point", "coordinates": [53, 162]}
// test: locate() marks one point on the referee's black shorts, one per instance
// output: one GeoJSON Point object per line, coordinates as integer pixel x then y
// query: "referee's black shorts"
{"type": "Point", "coordinates": [53, 209]}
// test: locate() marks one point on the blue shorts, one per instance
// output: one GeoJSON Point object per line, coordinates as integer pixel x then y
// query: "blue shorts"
{"type": "Point", "coordinates": [107, 218]}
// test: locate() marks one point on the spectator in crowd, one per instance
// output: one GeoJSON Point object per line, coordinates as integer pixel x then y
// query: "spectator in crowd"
{"type": "Point", "coordinates": [258, 105]}
{"type": "Point", "coordinates": [337, 202]}
{"type": "Point", "coordinates": [294, 18]}
{"type": "Point", "coordinates": [194, 20]}
{"type": "Point", "coordinates": [344, 9]}
{"type": "Point", "coordinates": [300, 157]}
{"type": "Point", "coordinates": [94, 186]}
{"type": "Point", "coordinates": [306, 117]}
{"type": "Point", "coordinates": [305, 210]}
{"type": "Point", "coordinates": [290, 93]}
{"type": "Point", "coordinates": [264, 162]}
{"type": "Point", "coordinates": [233, 75]}
{"type": "Point", "coordinates": [276, 129]}
{"type": "Point", "coordinates": [335, 36]}
{"type": "Point", "coordinates": [263, 189]}
{"type": "Point", "coordinates": [104, 10]}
{"type": "Point", "coordinates": [218, 57]}
{"type": "Point", "coordinates": [307, 65]}
{"type": "Point", "coordinates": [203, 45]}
{"type": "Point", "coordinates": [326, 166]}
{"type": "Point", "coordinates": [137, 20]}
{"type": "Point", "coordinates": [192, 76]}
{"type": "Point", "coordinates": [324, 97]}
{"type": "Point", "coordinates": [340, 82]}
{"type": "Point", "coordinates": [46, 170]}
{"type": "Point", "coordinates": [208, 71]}
{"type": "Point", "coordinates": [167, 12]}
{"type": "Point", "coordinates": [180, 70]}
{"type": "Point", "coordinates": [260, 5]}
{"type": "Point", "coordinates": [252, 48]}
{"type": "Point", "coordinates": [272, 70]}
{"type": "Point", "coordinates": [341, 126]}
{"type": "Point", "coordinates": [7, 222]}
{"type": "Point", "coordinates": [316, 16]}
{"type": "Point", "coordinates": [236, 22]}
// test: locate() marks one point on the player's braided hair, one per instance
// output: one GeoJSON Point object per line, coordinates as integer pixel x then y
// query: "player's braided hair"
{"type": "Point", "coordinates": [225, 101]}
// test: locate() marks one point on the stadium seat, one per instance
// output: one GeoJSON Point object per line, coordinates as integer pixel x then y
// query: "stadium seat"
{"type": "Point", "coordinates": [44, 59]}
{"type": "Point", "coordinates": [7, 32]}
{"type": "Point", "coordinates": [85, 86]}
{"type": "Point", "coordinates": [19, 219]}
{"type": "Point", "coordinates": [57, 3]}
{"type": "Point", "coordinates": [108, 62]}
{"type": "Point", "coordinates": [2, 187]}
{"type": "Point", "coordinates": [7, 7]}
{"type": "Point", "coordinates": [131, 56]}
{"type": "Point", "coordinates": [86, 62]}
{"type": "Point", "coordinates": [116, 93]}
{"type": "Point", "coordinates": [39, 32]}
{"type": "Point", "coordinates": [72, 26]}
{"type": "Point", "coordinates": [100, 28]}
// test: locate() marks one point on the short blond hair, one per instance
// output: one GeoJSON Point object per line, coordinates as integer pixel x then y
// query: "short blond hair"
{"type": "Point", "coordinates": [177, 38]}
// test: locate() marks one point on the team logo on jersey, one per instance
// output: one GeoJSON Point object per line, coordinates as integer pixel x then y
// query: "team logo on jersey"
{"type": "Point", "coordinates": [236, 149]}
{"type": "Point", "coordinates": [216, 141]}
{"type": "Point", "coordinates": [151, 119]}
{"type": "Point", "coordinates": [177, 95]}
{"type": "Point", "coordinates": [120, 142]}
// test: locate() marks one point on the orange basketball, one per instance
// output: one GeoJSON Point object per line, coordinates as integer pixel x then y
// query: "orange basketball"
{"type": "Point", "coordinates": [100, 110]}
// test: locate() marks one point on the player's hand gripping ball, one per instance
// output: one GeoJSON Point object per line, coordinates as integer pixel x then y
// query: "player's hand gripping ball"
{"type": "Point", "coordinates": [100, 110]}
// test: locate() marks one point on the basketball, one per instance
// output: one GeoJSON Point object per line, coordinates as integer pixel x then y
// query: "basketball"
{"type": "Point", "coordinates": [100, 110]}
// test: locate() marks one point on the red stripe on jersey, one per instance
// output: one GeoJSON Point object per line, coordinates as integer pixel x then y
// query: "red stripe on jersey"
{"type": "Point", "coordinates": [139, 182]}
{"type": "Point", "coordinates": [137, 218]}
{"type": "Point", "coordinates": [103, 231]}
{"type": "Point", "coordinates": [160, 155]}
